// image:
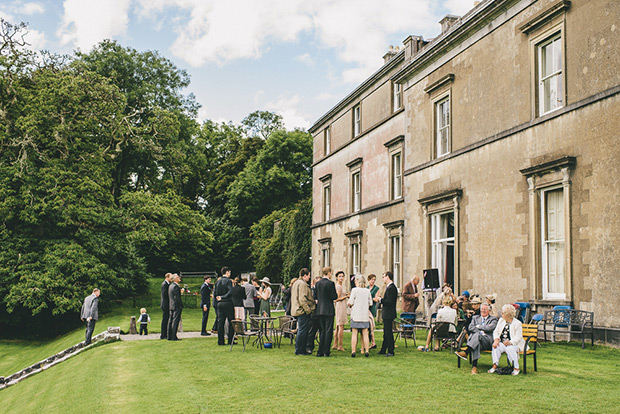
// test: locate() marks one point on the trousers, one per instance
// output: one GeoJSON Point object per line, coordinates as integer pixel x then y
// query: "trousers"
{"type": "Point", "coordinates": [326, 334]}
{"type": "Point", "coordinates": [512, 352]}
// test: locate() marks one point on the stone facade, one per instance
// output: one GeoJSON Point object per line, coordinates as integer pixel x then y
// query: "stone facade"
{"type": "Point", "coordinates": [509, 153]}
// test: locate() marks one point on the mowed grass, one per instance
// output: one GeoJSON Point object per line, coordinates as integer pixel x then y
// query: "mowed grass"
{"type": "Point", "coordinates": [197, 376]}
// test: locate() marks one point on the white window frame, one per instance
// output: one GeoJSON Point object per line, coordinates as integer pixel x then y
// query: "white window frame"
{"type": "Point", "coordinates": [327, 143]}
{"type": "Point", "coordinates": [356, 190]}
{"type": "Point", "coordinates": [561, 294]}
{"type": "Point", "coordinates": [398, 96]}
{"type": "Point", "coordinates": [439, 243]}
{"type": "Point", "coordinates": [395, 258]}
{"type": "Point", "coordinates": [325, 254]}
{"type": "Point", "coordinates": [357, 120]}
{"type": "Point", "coordinates": [440, 127]}
{"type": "Point", "coordinates": [327, 201]}
{"type": "Point", "coordinates": [396, 161]}
{"type": "Point", "coordinates": [556, 77]}
{"type": "Point", "coordinates": [356, 258]}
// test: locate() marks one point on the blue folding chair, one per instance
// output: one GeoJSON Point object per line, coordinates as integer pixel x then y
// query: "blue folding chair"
{"type": "Point", "coordinates": [408, 325]}
{"type": "Point", "coordinates": [524, 311]}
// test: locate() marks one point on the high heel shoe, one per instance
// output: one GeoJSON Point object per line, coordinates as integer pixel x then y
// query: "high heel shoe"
{"type": "Point", "coordinates": [366, 355]}
{"type": "Point", "coordinates": [352, 354]}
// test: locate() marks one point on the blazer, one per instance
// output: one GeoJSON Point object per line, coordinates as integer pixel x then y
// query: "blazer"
{"type": "Point", "coordinates": [205, 295]}
{"type": "Point", "coordinates": [250, 293]}
{"type": "Point", "coordinates": [516, 332]}
{"type": "Point", "coordinates": [360, 301]}
{"type": "Point", "coordinates": [325, 292]}
{"type": "Point", "coordinates": [410, 302]}
{"type": "Point", "coordinates": [476, 325]}
{"type": "Point", "coordinates": [90, 308]}
{"type": "Point", "coordinates": [174, 295]}
{"type": "Point", "coordinates": [165, 304]}
{"type": "Point", "coordinates": [389, 302]}
{"type": "Point", "coordinates": [302, 301]}
{"type": "Point", "coordinates": [223, 288]}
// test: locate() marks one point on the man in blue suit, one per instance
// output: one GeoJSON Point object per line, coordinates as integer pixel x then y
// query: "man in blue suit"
{"type": "Point", "coordinates": [325, 292]}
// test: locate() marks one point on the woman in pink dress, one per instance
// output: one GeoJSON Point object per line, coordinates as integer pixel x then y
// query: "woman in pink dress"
{"type": "Point", "coordinates": [341, 311]}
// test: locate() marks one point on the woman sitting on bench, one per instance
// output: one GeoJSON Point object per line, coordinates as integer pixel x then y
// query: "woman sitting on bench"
{"type": "Point", "coordinates": [508, 338]}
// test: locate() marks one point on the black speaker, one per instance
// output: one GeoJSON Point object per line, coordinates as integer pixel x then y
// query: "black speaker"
{"type": "Point", "coordinates": [431, 278]}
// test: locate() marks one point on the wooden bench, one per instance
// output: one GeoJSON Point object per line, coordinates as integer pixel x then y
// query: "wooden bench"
{"type": "Point", "coordinates": [568, 321]}
{"type": "Point", "coordinates": [530, 335]}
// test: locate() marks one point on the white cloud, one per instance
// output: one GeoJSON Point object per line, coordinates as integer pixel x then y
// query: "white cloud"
{"type": "Point", "coordinates": [305, 58]}
{"type": "Point", "coordinates": [459, 7]}
{"type": "Point", "coordinates": [219, 31]}
{"type": "Point", "coordinates": [287, 107]}
{"type": "Point", "coordinates": [30, 8]}
{"type": "Point", "coordinates": [35, 39]}
{"type": "Point", "coordinates": [87, 22]}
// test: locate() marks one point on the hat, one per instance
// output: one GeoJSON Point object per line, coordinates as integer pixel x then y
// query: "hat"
{"type": "Point", "coordinates": [265, 280]}
{"type": "Point", "coordinates": [475, 300]}
{"type": "Point", "coordinates": [492, 297]}
{"type": "Point", "coordinates": [465, 293]}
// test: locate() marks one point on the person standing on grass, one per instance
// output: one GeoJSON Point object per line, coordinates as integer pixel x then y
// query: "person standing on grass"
{"type": "Point", "coordinates": [225, 308]}
{"type": "Point", "coordinates": [341, 311]}
{"type": "Point", "coordinates": [359, 302]}
{"type": "Point", "coordinates": [176, 307]}
{"type": "Point", "coordinates": [165, 306]}
{"type": "Point", "coordinates": [374, 289]}
{"type": "Point", "coordinates": [90, 313]}
{"type": "Point", "coordinates": [389, 314]}
{"type": "Point", "coordinates": [205, 303]}
{"type": "Point", "coordinates": [314, 319]}
{"type": "Point", "coordinates": [411, 295]}
{"type": "Point", "coordinates": [248, 302]}
{"type": "Point", "coordinates": [216, 322]}
{"type": "Point", "coordinates": [325, 290]}
{"type": "Point", "coordinates": [238, 295]}
{"type": "Point", "coordinates": [302, 306]}
{"type": "Point", "coordinates": [145, 319]}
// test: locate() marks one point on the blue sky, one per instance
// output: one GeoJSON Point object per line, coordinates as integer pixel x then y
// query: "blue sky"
{"type": "Point", "coordinates": [294, 57]}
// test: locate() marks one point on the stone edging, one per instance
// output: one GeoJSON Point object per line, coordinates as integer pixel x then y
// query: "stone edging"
{"type": "Point", "coordinates": [110, 335]}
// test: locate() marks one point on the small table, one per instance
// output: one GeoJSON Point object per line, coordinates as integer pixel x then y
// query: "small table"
{"type": "Point", "coordinates": [264, 324]}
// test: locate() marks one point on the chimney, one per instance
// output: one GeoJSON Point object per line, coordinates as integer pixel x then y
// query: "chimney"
{"type": "Point", "coordinates": [390, 54]}
{"type": "Point", "coordinates": [412, 45]}
{"type": "Point", "coordinates": [447, 22]}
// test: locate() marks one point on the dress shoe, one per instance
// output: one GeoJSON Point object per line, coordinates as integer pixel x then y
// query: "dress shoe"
{"type": "Point", "coordinates": [352, 354]}
{"type": "Point", "coordinates": [373, 347]}
{"type": "Point", "coordinates": [389, 354]}
{"type": "Point", "coordinates": [381, 352]}
{"type": "Point", "coordinates": [205, 334]}
{"type": "Point", "coordinates": [308, 352]}
{"type": "Point", "coordinates": [319, 355]}
{"type": "Point", "coordinates": [461, 354]}
{"type": "Point", "coordinates": [366, 355]}
{"type": "Point", "coordinates": [474, 370]}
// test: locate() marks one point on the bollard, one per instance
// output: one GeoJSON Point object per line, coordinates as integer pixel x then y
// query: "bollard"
{"type": "Point", "coordinates": [132, 326]}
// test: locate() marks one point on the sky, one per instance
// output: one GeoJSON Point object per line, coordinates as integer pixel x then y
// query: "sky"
{"type": "Point", "coordinates": [298, 58]}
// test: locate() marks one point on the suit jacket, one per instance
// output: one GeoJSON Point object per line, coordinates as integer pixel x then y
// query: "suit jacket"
{"type": "Point", "coordinates": [389, 302]}
{"type": "Point", "coordinates": [410, 302]}
{"type": "Point", "coordinates": [223, 288]}
{"type": "Point", "coordinates": [205, 295]}
{"type": "Point", "coordinates": [165, 304]}
{"type": "Point", "coordinates": [250, 293]}
{"type": "Point", "coordinates": [325, 292]}
{"type": "Point", "coordinates": [488, 327]}
{"type": "Point", "coordinates": [90, 308]}
{"type": "Point", "coordinates": [174, 294]}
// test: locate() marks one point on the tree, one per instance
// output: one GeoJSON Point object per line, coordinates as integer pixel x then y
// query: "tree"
{"type": "Point", "coordinates": [262, 124]}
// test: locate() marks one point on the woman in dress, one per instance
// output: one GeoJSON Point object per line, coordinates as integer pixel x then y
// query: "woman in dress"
{"type": "Point", "coordinates": [264, 294]}
{"type": "Point", "coordinates": [341, 311]}
{"type": "Point", "coordinates": [373, 309]}
{"type": "Point", "coordinates": [359, 302]}
{"type": "Point", "coordinates": [508, 338]}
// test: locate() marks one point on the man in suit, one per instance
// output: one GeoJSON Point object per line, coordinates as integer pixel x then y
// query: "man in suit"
{"type": "Point", "coordinates": [325, 290]}
{"type": "Point", "coordinates": [480, 336]}
{"type": "Point", "coordinates": [165, 306]}
{"type": "Point", "coordinates": [411, 295]}
{"type": "Point", "coordinates": [389, 313]}
{"type": "Point", "coordinates": [90, 313]}
{"type": "Point", "coordinates": [314, 319]}
{"type": "Point", "coordinates": [225, 309]}
{"type": "Point", "coordinates": [302, 306]}
{"type": "Point", "coordinates": [248, 302]}
{"type": "Point", "coordinates": [176, 307]}
{"type": "Point", "coordinates": [205, 303]}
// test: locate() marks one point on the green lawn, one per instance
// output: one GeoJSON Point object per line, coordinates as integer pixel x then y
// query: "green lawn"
{"type": "Point", "coordinates": [197, 376]}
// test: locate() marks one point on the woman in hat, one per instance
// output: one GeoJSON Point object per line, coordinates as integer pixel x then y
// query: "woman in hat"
{"type": "Point", "coordinates": [490, 300]}
{"type": "Point", "coordinates": [264, 294]}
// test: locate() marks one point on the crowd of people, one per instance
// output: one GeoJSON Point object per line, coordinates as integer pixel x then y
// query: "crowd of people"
{"type": "Point", "coordinates": [317, 303]}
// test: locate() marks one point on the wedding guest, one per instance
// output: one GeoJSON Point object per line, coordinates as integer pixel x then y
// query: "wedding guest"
{"type": "Point", "coordinates": [508, 338]}
{"type": "Point", "coordinates": [264, 294]}
{"type": "Point", "coordinates": [144, 320]}
{"type": "Point", "coordinates": [238, 295]}
{"type": "Point", "coordinates": [341, 311]}
{"type": "Point", "coordinates": [390, 297]}
{"type": "Point", "coordinates": [250, 293]}
{"type": "Point", "coordinates": [359, 301]}
{"type": "Point", "coordinates": [374, 289]}
{"type": "Point", "coordinates": [205, 303]}
{"type": "Point", "coordinates": [90, 314]}
{"type": "Point", "coordinates": [165, 306]}
{"type": "Point", "coordinates": [325, 295]}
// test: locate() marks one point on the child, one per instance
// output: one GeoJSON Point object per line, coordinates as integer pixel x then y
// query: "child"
{"type": "Point", "coordinates": [144, 320]}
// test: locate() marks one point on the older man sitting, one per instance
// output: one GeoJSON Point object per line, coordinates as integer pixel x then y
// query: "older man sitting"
{"type": "Point", "coordinates": [480, 336]}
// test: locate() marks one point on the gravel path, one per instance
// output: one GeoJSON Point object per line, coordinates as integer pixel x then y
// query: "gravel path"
{"type": "Point", "coordinates": [181, 335]}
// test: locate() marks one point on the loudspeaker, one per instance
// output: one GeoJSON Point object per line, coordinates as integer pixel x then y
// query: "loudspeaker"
{"type": "Point", "coordinates": [431, 278]}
